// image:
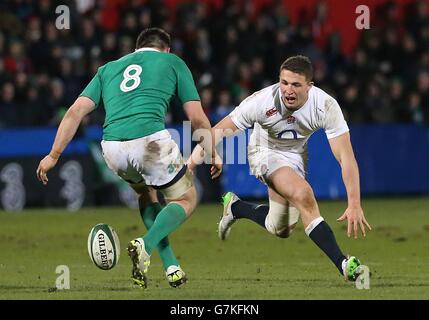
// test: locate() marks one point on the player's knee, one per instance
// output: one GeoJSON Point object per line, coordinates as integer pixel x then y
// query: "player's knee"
{"type": "Point", "coordinates": [147, 196]}
{"type": "Point", "coordinates": [183, 193]}
{"type": "Point", "coordinates": [304, 197]}
{"type": "Point", "coordinates": [188, 201]}
{"type": "Point", "coordinates": [191, 196]}
{"type": "Point", "coordinates": [283, 233]}
{"type": "Point", "coordinates": [281, 219]}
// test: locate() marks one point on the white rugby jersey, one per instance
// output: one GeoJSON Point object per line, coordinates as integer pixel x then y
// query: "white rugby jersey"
{"type": "Point", "coordinates": [278, 128]}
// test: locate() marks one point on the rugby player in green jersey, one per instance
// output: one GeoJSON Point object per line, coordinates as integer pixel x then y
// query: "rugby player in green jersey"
{"type": "Point", "coordinates": [136, 91]}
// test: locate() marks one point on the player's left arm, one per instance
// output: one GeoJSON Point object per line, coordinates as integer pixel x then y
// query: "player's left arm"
{"type": "Point", "coordinates": [343, 152]}
{"type": "Point", "coordinates": [199, 121]}
{"type": "Point", "coordinates": [66, 131]}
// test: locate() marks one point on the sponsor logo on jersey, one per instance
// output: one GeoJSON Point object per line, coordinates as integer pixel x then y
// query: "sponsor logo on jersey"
{"type": "Point", "coordinates": [271, 112]}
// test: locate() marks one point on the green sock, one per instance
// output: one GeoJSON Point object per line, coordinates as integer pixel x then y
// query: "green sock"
{"type": "Point", "coordinates": [165, 251]}
{"type": "Point", "coordinates": [168, 220]}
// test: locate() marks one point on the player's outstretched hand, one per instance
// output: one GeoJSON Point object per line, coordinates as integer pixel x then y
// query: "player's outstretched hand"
{"type": "Point", "coordinates": [46, 164]}
{"type": "Point", "coordinates": [216, 168]}
{"type": "Point", "coordinates": [354, 218]}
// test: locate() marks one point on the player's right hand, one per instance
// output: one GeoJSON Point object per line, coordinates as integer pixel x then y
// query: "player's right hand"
{"type": "Point", "coordinates": [46, 164]}
{"type": "Point", "coordinates": [216, 170]}
{"type": "Point", "coordinates": [217, 164]}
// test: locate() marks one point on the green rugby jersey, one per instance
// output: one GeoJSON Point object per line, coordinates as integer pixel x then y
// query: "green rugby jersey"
{"type": "Point", "coordinates": [136, 91]}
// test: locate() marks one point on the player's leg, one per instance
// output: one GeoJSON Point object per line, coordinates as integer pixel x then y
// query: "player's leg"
{"type": "Point", "coordinates": [161, 165]}
{"type": "Point", "coordinates": [116, 155]}
{"type": "Point", "coordinates": [286, 182]}
{"type": "Point", "coordinates": [149, 207]}
{"type": "Point", "coordinates": [140, 161]}
{"type": "Point", "coordinates": [181, 198]}
{"type": "Point", "coordinates": [170, 218]}
{"type": "Point", "coordinates": [282, 217]}
{"type": "Point", "coordinates": [278, 218]}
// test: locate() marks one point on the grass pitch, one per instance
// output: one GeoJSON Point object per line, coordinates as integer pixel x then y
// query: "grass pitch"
{"type": "Point", "coordinates": [251, 264]}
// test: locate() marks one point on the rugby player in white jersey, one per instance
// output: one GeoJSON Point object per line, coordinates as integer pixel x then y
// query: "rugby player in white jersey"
{"type": "Point", "coordinates": [284, 116]}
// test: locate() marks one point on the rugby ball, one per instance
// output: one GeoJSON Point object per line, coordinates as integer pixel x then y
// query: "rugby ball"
{"type": "Point", "coordinates": [103, 246]}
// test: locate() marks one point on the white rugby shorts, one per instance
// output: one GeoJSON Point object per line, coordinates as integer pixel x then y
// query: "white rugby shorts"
{"type": "Point", "coordinates": [154, 160]}
{"type": "Point", "coordinates": [264, 161]}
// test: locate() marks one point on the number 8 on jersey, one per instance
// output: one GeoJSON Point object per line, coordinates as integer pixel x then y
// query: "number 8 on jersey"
{"type": "Point", "coordinates": [135, 78]}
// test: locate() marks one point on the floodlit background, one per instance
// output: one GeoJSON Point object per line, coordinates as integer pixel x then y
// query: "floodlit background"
{"type": "Point", "coordinates": [380, 77]}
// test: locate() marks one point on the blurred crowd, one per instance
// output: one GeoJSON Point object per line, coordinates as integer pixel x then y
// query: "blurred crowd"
{"type": "Point", "coordinates": [232, 51]}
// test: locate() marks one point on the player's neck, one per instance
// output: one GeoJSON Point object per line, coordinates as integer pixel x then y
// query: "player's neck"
{"type": "Point", "coordinates": [292, 109]}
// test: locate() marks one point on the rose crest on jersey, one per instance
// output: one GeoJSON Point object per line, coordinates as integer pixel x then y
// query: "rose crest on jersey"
{"type": "Point", "coordinates": [290, 119]}
{"type": "Point", "coordinates": [271, 112]}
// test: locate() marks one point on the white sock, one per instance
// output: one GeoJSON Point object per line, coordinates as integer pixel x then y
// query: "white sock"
{"type": "Point", "coordinates": [313, 224]}
{"type": "Point", "coordinates": [343, 264]}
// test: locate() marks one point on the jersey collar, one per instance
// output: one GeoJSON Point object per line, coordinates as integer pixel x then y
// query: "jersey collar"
{"type": "Point", "coordinates": [146, 49]}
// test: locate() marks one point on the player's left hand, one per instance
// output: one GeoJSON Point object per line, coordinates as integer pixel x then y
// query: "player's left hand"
{"type": "Point", "coordinates": [355, 217]}
{"type": "Point", "coordinates": [46, 164]}
{"type": "Point", "coordinates": [196, 158]}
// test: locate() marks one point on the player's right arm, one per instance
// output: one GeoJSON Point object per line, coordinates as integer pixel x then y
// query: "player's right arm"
{"type": "Point", "coordinates": [84, 104]}
{"type": "Point", "coordinates": [225, 128]}
{"type": "Point", "coordinates": [66, 131]}
{"type": "Point", "coordinates": [241, 118]}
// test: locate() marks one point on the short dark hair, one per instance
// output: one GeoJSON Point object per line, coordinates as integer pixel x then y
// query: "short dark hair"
{"type": "Point", "coordinates": [153, 38]}
{"type": "Point", "coordinates": [299, 64]}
